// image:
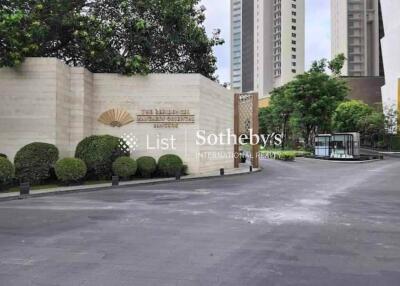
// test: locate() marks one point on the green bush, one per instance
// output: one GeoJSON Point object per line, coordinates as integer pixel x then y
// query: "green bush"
{"type": "Point", "coordinates": [302, 153]}
{"type": "Point", "coordinates": [99, 153]}
{"type": "Point", "coordinates": [146, 166]}
{"type": "Point", "coordinates": [34, 162]}
{"type": "Point", "coordinates": [185, 170]}
{"type": "Point", "coordinates": [287, 156]}
{"type": "Point", "coordinates": [282, 155]}
{"type": "Point", "coordinates": [6, 171]}
{"type": "Point", "coordinates": [3, 155]}
{"type": "Point", "coordinates": [124, 167]}
{"type": "Point", "coordinates": [169, 165]}
{"type": "Point", "coordinates": [70, 170]}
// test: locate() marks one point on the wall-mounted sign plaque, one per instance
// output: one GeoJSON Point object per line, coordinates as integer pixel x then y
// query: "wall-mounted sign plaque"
{"type": "Point", "coordinates": [166, 118]}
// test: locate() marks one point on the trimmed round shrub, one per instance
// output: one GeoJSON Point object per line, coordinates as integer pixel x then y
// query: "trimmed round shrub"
{"type": "Point", "coordinates": [70, 170]}
{"type": "Point", "coordinates": [34, 162]}
{"type": "Point", "coordinates": [169, 165]}
{"type": "Point", "coordinates": [99, 152]}
{"type": "Point", "coordinates": [185, 170]}
{"type": "Point", "coordinates": [124, 167]}
{"type": "Point", "coordinates": [146, 166]}
{"type": "Point", "coordinates": [6, 171]}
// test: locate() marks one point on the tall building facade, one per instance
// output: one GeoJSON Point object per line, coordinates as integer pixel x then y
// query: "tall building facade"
{"type": "Point", "coordinates": [356, 32]}
{"type": "Point", "coordinates": [267, 43]}
{"type": "Point", "coordinates": [236, 44]}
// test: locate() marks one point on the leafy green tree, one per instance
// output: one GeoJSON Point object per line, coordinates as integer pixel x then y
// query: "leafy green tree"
{"type": "Point", "coordinates": [283, 107]}
{"type": "Point", "coordinates": [315, 96]}
{"type": "Point", "coordinates": [348, 114]}
{"type": "Point", "coordinates": [305, 106]}
{"type": "Point", "coordinates": [318, 66]}
{"type": "Point", "coordinates": [120, 36]}
{"type": "Point", "coordinates": [336, 65]}
{"type": "Point", "coordinates": [276, 117]}
{"type": "Point", "coordinates": [356, 116]}
{"type": "Point", "coordinates": [372, 128]}
{"type": "Point", "coordinates": [266, 119]}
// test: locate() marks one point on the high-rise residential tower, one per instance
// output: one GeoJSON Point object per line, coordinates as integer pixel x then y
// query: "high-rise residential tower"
{"type": "Point", "coordinates": [356, 32]}
{"type": "Point", "coordinates": [267, 43]}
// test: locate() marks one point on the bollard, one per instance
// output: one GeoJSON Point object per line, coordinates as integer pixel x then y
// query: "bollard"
{"type": "Point", "coordinates": [115, 181]}
{"type": "Point", "coordinates": [24, 189]}
{"type": "Point", "coordinates": [251, 169]}
{"type": "Point", "coordinates": [222, 171]}
{"type": "Point", "coordinates": [178, 175]}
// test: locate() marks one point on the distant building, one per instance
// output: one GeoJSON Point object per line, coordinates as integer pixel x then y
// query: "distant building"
{"type": "Point", "coordinates": [267, 44]}
{"type": "Point", "coordinates": [356, 32]}
{"type": "Point", "coordinates": [366, 89]}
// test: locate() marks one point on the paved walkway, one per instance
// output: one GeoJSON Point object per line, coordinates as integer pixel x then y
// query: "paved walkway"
{"type": "Point", "coordinates": [244, 169]}
{"type": "Point", "coordinates": [303, 223]}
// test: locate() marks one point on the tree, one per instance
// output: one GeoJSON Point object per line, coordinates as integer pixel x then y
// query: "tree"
{"type": "Point", "coordinates": [305, 106]}
{"type": "Point", "coordinates": [282, 109]}
{"type": "Point", "coordinates": [315, 96]}
{"type": "Point", "coordinates": [119, 36]}
{"type": "Point", "coordinates": [356, 116]}
{"type": "Point", "coordinates": [266, 119]}
{"type": "Point", "coordinates": [348, 114]}
{"type": "Point", "coordinates": [372, 128]}
{"type": "Point", "coordinates": [275, 118]}
{"type": "Point", "coordinates": [336, 65]}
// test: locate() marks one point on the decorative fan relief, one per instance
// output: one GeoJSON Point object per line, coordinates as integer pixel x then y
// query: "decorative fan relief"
{"type": "Point", "coordinates": [116, 118]}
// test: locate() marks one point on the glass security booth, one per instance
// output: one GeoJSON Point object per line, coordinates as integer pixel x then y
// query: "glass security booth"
{"type": "Point", "coordinates": [338, 146]}
{"type": "Point", "coordinates": [322, 145]}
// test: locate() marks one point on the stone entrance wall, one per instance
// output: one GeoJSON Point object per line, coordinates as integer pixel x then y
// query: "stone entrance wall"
{"type": "Point", "coordinates": [44, 100]}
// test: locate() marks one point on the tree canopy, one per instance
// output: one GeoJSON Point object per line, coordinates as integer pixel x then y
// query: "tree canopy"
{"type": "Point", "coordinates": [305, 106]}
{"type": "Point", "coordinates": [348, 114]}
{"type": "Point", "coordinates": [117, 36]}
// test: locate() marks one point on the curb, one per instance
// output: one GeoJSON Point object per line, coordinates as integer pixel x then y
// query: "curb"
{"type": "Point", "coordinates": [120, 187]}
{"type": "Point", "coordinates": [344, 162]}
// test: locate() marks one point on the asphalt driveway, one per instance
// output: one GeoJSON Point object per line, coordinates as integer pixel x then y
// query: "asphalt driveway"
{"type": "Point", "coordinates": [302, 223]}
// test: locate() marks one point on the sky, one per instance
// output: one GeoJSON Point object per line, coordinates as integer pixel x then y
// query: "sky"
{"type": "Point", "coordinates": [318, 43]}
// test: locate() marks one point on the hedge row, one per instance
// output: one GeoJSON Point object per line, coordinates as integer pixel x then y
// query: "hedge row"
{"type": "Point", "coordinates": [6, 171]}
{"type": "Point", "coordinates": [281, 155]}
{"type": "Point", "coordinates": [167, 166]}
{"type": "Point", "coordinates": [99, 153]}
{"type": "Point", "coordinates": [96, 157]}
{"type": "Point", "coordinates": [34, 162]}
